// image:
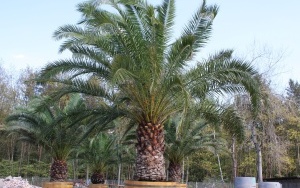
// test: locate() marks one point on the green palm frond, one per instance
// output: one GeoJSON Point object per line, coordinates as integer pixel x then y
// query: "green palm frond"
{"type": "Point", "coordinates": [78, 67]}
{"type": "Point", "coordinates": [58, 129]}
{"type": "Point", "coordinates": [99, 152]}
{"type": "Point", "coordinates": [194, 36]}
{"type": "Point", "coordinates": [68, 31]}
{"type": "Point", "coordinates": [221, 74]}
{"type": "Point", "coordinates": [233, 123]}
{"type": "Point", "coordinates": [187, 142]}
{"type": "Point", "coordinates": [130, 50]}
{"type": "Point", "coordinates": [198, 130]}
{"type": "Point", "coordinates": [200, 25]}
{"type": "Point", "coordinates": [166, 15]}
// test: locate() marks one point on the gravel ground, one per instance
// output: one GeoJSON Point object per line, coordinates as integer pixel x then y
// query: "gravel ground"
{"type": "Point", "coordinates": [15, 182]}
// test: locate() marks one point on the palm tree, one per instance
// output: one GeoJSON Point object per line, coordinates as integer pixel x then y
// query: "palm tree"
{"type": "Point", "coordinates": [141, 71]}
{"type": "Point", "coordinates": [197, 132]}
{"type": "Point", "coordinates": [99, 153]}
{"type": "Point", "coordinates": [54, 127]}
{"type": "Point", "coordinates": [178, 147]}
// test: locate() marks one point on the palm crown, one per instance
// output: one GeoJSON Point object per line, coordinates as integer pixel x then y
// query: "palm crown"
{"type": "Point", "coordinates": [141, 70]}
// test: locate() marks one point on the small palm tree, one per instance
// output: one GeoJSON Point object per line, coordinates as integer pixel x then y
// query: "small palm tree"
{"type": "Point", "coordinates": [180, 147]}
{"type": "Point", "coordinates": [99, 153]}
{"type": "Point", "coordinates": [184, 139]}
{"type": "Point", "coordinates": [55, 127]}
{"type": "Point", "coordinates": [141, 71]}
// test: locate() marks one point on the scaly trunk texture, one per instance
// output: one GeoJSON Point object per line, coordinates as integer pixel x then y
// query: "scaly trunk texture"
{"type": "Point", "coordinates": [58, 171]}
{"type": "Point", "coordinates": [175, 172]}
{"type": "Point", "coordinates": [97, 178]}
{"type": "Point", "coordinates": [150, 162]}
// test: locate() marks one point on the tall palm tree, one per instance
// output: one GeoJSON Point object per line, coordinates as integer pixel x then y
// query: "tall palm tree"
{"type": "Point", "coordinates": [54, 127]}
{"type": "Point", "coordinates": [143, 72]}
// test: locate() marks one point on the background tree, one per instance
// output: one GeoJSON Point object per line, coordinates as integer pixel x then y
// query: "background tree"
{"type": "Point", "coordinates": [233, 131]}
{"type": "Point", "coordinates": [55, 127]}
{"type": "Point", "coordinates": [293, 91]}
{"type": "Point", "coordinates": [288, 128]}
{"type": "Point", "coordinates": [9, 98]}
{"type": "Point", "coordinates": [263, 134]}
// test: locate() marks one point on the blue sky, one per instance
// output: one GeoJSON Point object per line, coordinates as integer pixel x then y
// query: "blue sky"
{"type": "Point", "coordinates": [269, 27]}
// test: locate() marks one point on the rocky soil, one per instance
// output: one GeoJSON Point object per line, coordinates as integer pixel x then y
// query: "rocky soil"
{"type": "Point", "coordinates": [15, 182]}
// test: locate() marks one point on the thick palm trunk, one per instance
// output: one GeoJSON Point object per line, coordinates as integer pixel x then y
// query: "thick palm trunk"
{"type": "Point", "coordinates": [59, 171]}
{"type": "Point", "coordinates": [97, 178]}
{"type": "Point", "coordinates": [150, 162]}
{"type": "Point", "coordinates": [175, 172]}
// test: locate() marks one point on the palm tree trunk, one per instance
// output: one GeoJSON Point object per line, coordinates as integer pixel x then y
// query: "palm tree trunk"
{"type": "Point", "coordinates": [58, 171]}
{"type": "Point", "coordinates": [175, 172]}
{"type": "Point", "coordinates": [97, 178]}
{"type": "Point", "coordinates": [150, 162]}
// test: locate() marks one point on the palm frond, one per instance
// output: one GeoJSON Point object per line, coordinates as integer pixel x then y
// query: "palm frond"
{"type": "Point", "coordinates": [166, 15]}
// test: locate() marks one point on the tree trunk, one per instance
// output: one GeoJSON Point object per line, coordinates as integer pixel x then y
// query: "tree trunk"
{"type": "Point", "coordinates": [219, 162]}
{"type": "Point", "coordinates": [150, 147]}
{"type": "Point", "coordinates": [175, 172]}
{"type": "Point", "coordinates": [74, 169]}
{"type": "Point", "coordinates": [40, 150]}
{"type": "Point", "coordinates": [87, 174]}
{"type": "Point", "coordinates": [97, 178]}
{"type": "Point", "coordinates": [58, 171]}
{"type": "Point", "coordinates": [187, 172]}
{"type": "Point", "coordinates": [183, 166]}
{"type": "Point", "coordinates": [234, 160]}
{"type": "Point", "coordinates": [259, 166]}
{"type": "Point", "coordinates": [22, 153]}
{"type": "Point", "coordinates": [119, 173]}
{"type": "Point", "coordinates": [12, 146]}
{"type": "Point", "coordinates": [298, 159]}
{"type": "Point", "coordinates": [28, 155]}
{"type": "Point", "coordinates": [258, 153]}
{"type": "Point", "coordinates": [220, 168]}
